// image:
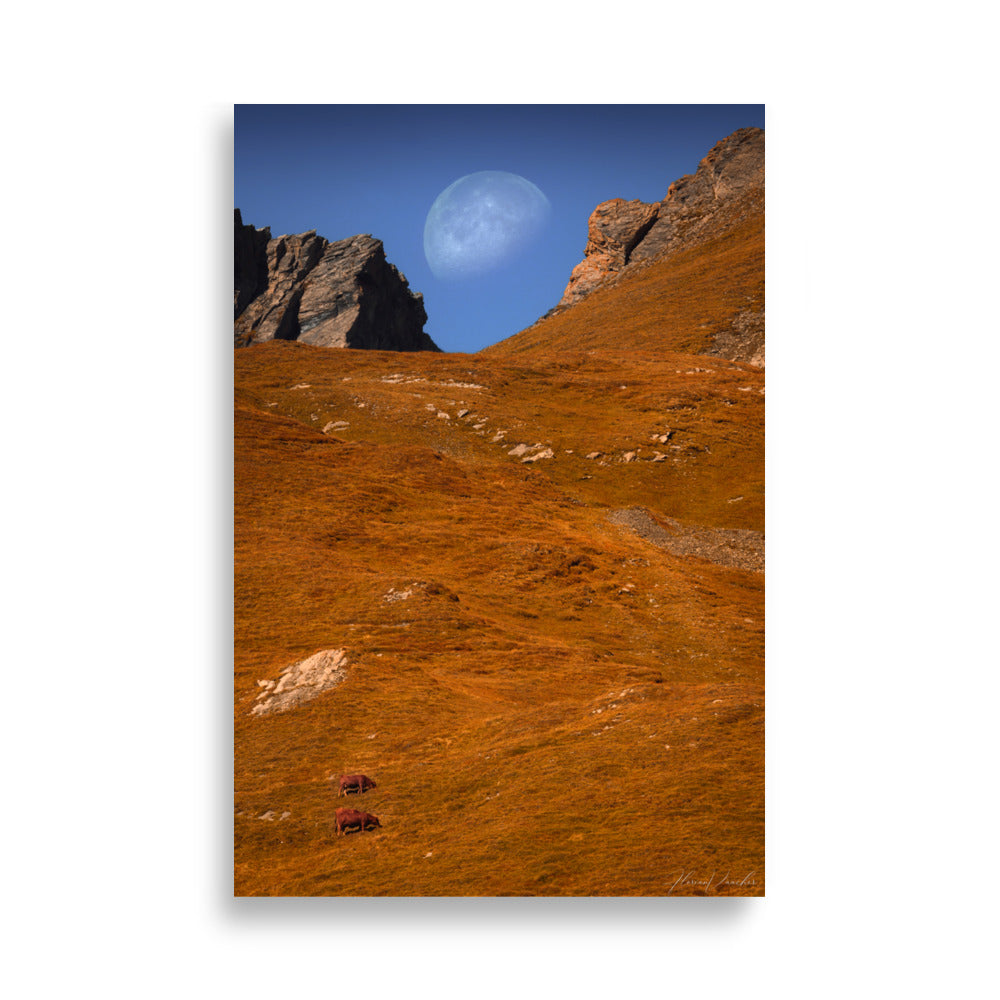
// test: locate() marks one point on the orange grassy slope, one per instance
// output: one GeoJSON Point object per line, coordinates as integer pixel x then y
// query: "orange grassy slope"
{"type": "Point", "coordinates": [549, 703]}
{"type": "Point", "coordinates": [680, 302]}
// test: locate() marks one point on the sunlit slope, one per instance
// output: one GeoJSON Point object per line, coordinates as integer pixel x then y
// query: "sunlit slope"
{"type": "Point", "coordinates": [549, 704]}
{"type": "Point", "coordinates": [677, 303]}
{"type": "Point", "coordinates": [680, 435]}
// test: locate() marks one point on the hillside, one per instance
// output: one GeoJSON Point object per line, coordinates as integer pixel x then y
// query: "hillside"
{"type": "Point", "coordinates": [522, 589]}
{"type": "Point", "coordinates": [550, 703]}
{"type": "Point", "coordinates": [703, 299]}
{"type": "Point", "coordinates": [683, 274]}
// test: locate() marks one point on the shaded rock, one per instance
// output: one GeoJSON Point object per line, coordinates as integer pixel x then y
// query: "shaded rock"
{"type": "Point", "coordinates": [249, 263]}
{"type": "Point", "coordinates": [343, 294]}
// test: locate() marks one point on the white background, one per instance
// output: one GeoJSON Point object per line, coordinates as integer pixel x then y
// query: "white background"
{"type": "Point", "coordinates": [882, 223]}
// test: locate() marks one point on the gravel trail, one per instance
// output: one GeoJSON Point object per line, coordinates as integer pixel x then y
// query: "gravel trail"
{"type": "Point", "coordinates": [734, 547]}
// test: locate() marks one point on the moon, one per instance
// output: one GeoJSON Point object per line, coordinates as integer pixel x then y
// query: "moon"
{"type": "Point", "coordinates": [482, 221]}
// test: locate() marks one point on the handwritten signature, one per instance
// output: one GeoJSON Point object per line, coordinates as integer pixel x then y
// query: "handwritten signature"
{"type": "Point", "coordinates": [689, 879]}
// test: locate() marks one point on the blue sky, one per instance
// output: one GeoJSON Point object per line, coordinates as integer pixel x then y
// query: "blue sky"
{"type": "Point", "coordinates": [349, 169]}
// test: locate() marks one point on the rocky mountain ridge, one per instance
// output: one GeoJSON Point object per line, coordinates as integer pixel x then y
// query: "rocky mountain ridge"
{"type": "Point", "coordinates": [697, 205]}
{"type": "Point", "coordinates": [341, 294]}
{"type": "Point", "coordinates": [685, 274]}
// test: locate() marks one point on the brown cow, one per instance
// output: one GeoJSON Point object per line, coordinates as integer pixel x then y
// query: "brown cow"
{"type": "Point", "coordinates": [349, 819]}
{"type": "Point", "coordinates": [355, 783]}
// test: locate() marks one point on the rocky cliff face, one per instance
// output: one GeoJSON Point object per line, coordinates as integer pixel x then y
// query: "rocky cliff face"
{"type": "Point", "coordinates": [343, 294]}
{"type": "Point", "coordinates": [729, 182]}
{"type": "Point", "coordinates": [250, 260]}
{"type": "Point", "coordinates": [615, 229]}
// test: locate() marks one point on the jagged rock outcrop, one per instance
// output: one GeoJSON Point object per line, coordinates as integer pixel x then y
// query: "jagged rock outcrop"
{"type": "Point", "coordinates": [728, 182]}
{"type": "Point", "coordinates": [729, 179]}
{"type": "Point", "coordinates": [303, 287]}
{"type": "Point", "coordinates": [615, 229]}
{"type": "Point", "coordinates": [250, 263]}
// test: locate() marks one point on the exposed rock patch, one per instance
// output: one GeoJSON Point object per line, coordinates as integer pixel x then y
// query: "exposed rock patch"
{"type": "Point", "coordinates": [734, 547]}
{"type": "Point", "coordinates": [743, 339]}
{"type": "Point", "coordinates": [301, 682]}
{"type": "Point", "coordinates": [417, 588]}
{"type": "Point", "coordinates": [531, 452]}
{"type": "Point", "coordinates": [342, 294]}
{"type": "Point", "coordinates": [392, 595]}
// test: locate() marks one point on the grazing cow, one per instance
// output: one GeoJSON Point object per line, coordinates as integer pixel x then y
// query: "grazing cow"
{"type": "Point", "coordinates": [355, 783]}
{"type": "Point", "coordinates": [350, 819]}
